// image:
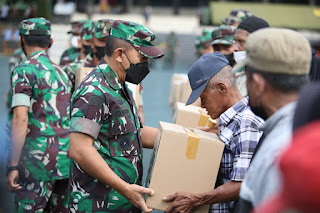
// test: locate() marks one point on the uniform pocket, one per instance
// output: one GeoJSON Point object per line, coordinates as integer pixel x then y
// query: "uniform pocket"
{"type": "Point", "coordinates": [124, 137]}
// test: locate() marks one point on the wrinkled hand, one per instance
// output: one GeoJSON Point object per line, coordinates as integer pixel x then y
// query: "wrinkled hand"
{"type": "Point", "coordinates": [12, 181]}
{"type": "Point", "coordinates": [183, 202]}
{"type": "Point", "coordinates": [214, 129]}
{"type": "Point", "coordinates": [134, 194]}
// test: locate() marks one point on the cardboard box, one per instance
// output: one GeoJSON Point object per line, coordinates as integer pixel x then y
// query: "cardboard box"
{"type": "Point", "coordinates": [175, 88]}
{"type": "Point", "coordinates": [81, 73]}
{"type": "Point", "coordinates": [180, 90]}
{"type": "Point", "coordinates": [182, 160]}
{"type": "Point", "coordinates": [190, 116]}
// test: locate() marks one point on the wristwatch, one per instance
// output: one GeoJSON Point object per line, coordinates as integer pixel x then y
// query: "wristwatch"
{"type": "Point", "coordinates": [10, 168]}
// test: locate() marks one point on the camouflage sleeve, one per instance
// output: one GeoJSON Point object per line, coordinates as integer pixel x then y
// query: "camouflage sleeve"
{"type": "Point", "coordinates": [21, 86]}
{"type": "Point", "coordinates": [70, 69]}
{"type": "Point", "coordinates": [87, 111]}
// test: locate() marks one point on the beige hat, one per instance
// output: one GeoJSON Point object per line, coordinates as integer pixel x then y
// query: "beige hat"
{"type": "Point", "coordinates": [276, 50]}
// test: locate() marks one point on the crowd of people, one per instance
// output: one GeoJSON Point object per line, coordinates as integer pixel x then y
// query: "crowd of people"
{"type": "Point", "coordinates": [79, 148]}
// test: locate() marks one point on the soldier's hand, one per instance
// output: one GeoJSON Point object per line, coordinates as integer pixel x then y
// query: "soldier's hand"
{"type": "Point", "coordinates": [12, 180]}
{"type": "Point", "coordinates": [134, 194]}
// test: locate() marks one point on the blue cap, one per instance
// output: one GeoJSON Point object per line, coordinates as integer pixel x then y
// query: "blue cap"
{"type": "Point", "coordinates": [202, 70]}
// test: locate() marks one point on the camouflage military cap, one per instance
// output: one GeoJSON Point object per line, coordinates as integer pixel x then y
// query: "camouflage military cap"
{"type": "Point", "coordinates": [86, 32]}
{"type": "Point", "coordinates": [76, 26]}
{"type": "Point", "coordinates": [138, 35]}
{"type": "Point", "coordinates": [102, 28]}
{"type": "Point", "coordinates": [235, 16]}
{"type": "Point", "coordinates": [35, 26]}
{"type": "Point", "coordinates": [203, 40]}
{"type": "Point", "coordinates": [223, 35]}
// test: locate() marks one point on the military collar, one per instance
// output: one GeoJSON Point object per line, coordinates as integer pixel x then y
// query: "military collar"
{"type": "Point", "coordinates": [109, 75]}
{"type": "Point", "coordinates": [37, 52]}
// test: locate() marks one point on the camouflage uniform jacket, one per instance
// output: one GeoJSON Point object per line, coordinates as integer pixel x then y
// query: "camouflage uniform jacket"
{"type": "Point", "coordinates": [104, 109]}
{"type": "Point", "coordinates": [71, 68]}
{"type": "Point", "coordinates": [69, 55]}
{"type": "Point", "coordinates": [42, 86]}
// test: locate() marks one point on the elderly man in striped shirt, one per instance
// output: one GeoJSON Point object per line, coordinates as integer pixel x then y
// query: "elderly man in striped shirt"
{"type": "Point", "coordinates": [212, 78]}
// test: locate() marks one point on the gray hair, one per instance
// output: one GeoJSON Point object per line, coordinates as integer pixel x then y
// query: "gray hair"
{"type": "Point", "coordinates": [225, 75]}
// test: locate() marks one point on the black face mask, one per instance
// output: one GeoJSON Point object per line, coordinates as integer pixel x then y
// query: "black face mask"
{"type": "Point", "coordinates": [99, 52]}
{"type": "Point", "coordinates": [86, 49]}
{"type": "Point", "coordinates": [136, 72]}
{"type": "Point", "coordinates": [231, 60]}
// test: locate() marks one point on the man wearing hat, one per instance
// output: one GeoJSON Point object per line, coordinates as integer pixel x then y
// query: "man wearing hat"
{"type": "Point", "coordinates": [203, 43]}
{"type": "Point", "coordinates": [105, 142]}
{"type": "Point", "coordinates": [247, 26]}
{"type": "Point", "coordinates": [212, 78]}
{"type": "Point", "coordinates": [85, 44]}
{"type": "Point", "coordinates": [38, 169]}
{"type": "Point", "coordinates": [85, 40]}
{"type": "Point", "coordinates": [299, 167]}
{"type": "Point", "coordinates": [223, 39]}
{"type": "Point", "coordinates": [236, 17]}
{"type": "Point", "coordinates": [99, 35]}
{"type": "Point", "coordinates": [73, 52]}
{"type": "Point", "coordinates": [277, 66]}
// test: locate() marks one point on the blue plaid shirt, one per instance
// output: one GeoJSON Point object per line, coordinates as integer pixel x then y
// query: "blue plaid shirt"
{"type": "Point", "coordinates": [239, 130]}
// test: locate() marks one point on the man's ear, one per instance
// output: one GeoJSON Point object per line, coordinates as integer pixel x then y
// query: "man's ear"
{"type": "Point", "coordinates": [118, 54]}
{"type": "Point", "coordinates": [51, 42]}
{"type": "Point", "coordinates": [222, 88]}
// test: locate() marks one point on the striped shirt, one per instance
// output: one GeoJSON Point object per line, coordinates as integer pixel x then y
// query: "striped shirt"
{"type": "Point", "coordinates": [239, 130]}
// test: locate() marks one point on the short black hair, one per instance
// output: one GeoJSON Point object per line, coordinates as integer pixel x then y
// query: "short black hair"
{"type": "Point", "coordinates": [279, 81]}
{"type": "Point", "coordinates": [113, 43]}
{"type": "Point", "coordinates": [37, 41]}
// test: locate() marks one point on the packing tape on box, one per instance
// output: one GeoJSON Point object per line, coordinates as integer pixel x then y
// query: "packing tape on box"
{"type": "Point", "coordinates": [203, 118]}
{"type": "Point", "coordinates": [193, 144]}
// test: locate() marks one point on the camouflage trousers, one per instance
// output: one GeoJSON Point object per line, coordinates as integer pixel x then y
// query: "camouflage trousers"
{"type": "Point", "coordinates": [42, 197]}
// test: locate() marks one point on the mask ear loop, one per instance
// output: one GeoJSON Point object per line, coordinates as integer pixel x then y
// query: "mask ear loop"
{"type": "Point", "coordinates": [128, 60]}
{"type": "Point", "coordinates": [127, 57]}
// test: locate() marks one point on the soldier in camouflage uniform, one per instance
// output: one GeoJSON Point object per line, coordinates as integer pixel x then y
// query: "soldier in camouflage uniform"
{"type": "Point", "coordinates": [236, 17]}
{"type": "Point", "coordinates": [99, 33]}
{"type": "Point", "coordinates": [39, 167]}
{"type": "Point", "coordinates": [85, 43]}
{"type": "Point", "coordinates": [73, 52]}
{"type": "Point", "coordinates": [85, 40]}
{"type": "Point", "coordinates": [223, 39]}
{"type": "Point", "coordinates": [99, 36]}
{"type": "Point", "coordinates": [105, 128]}
{"type": "Point", "coordinates": [203, 43]}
